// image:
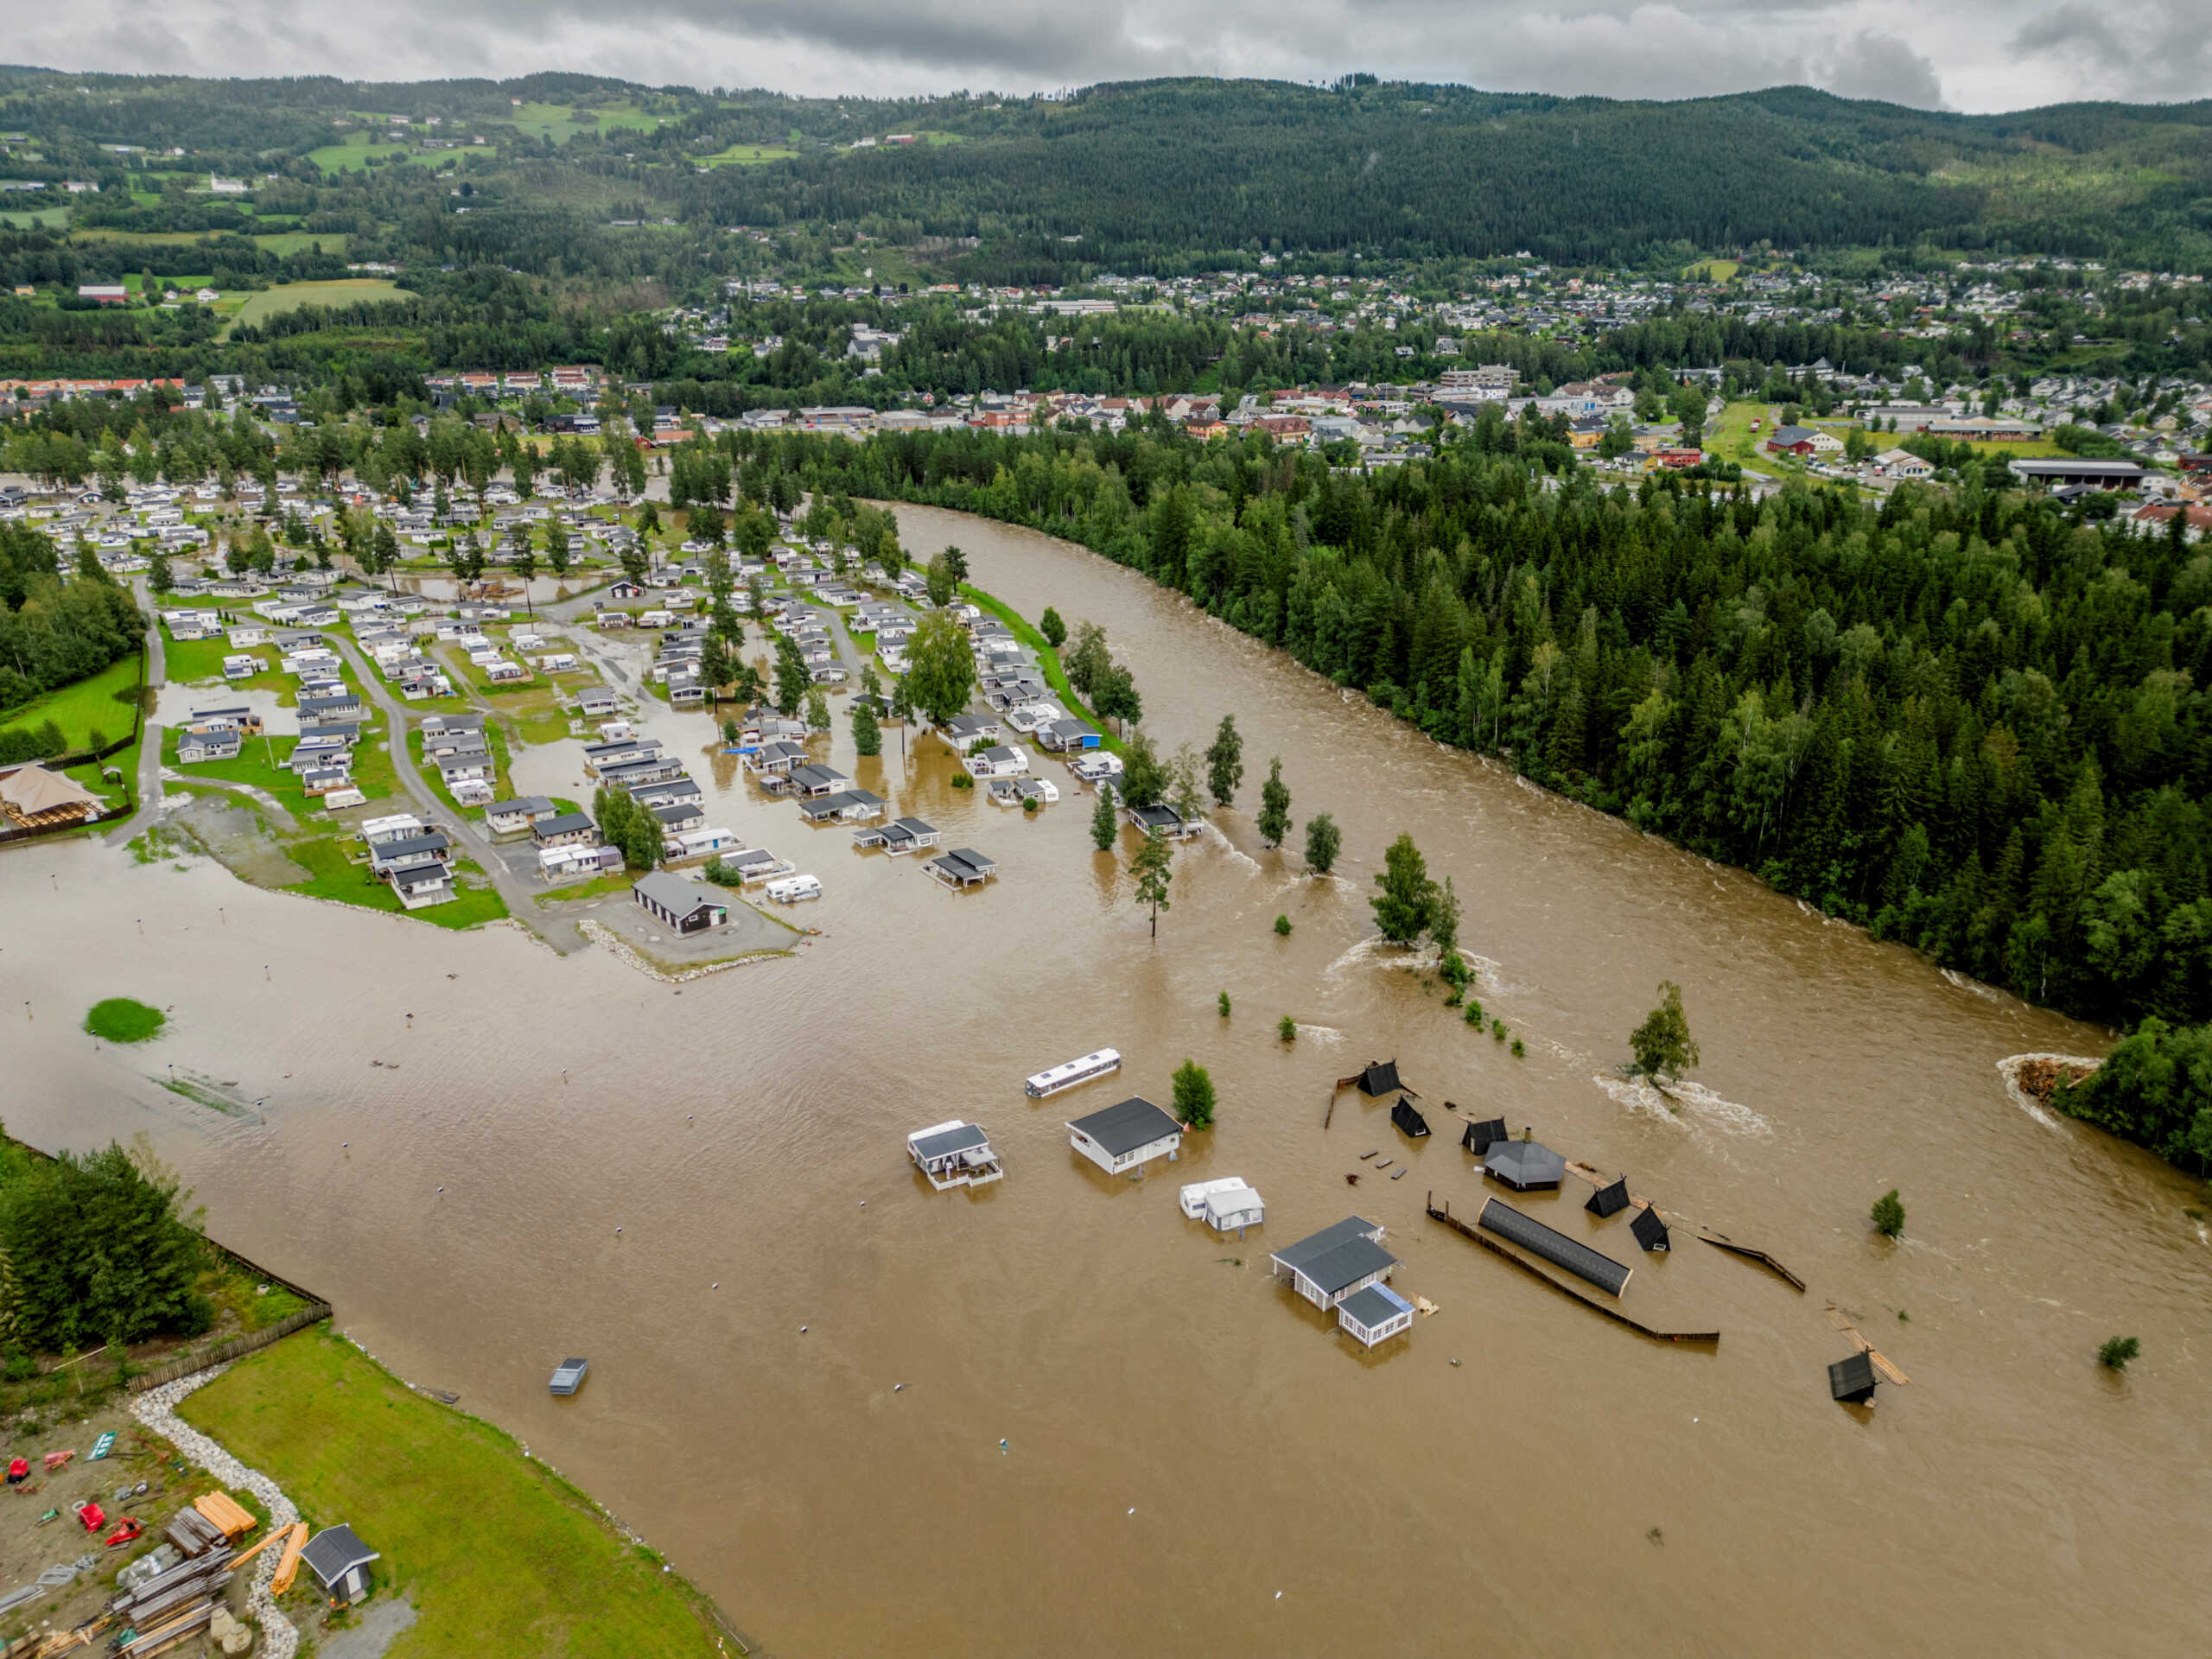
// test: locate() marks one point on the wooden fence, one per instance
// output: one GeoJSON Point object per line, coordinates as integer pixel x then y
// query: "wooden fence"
{"type": "Point", "coordinates": [230, 1348]}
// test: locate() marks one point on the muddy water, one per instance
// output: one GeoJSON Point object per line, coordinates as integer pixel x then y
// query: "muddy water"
{"type": "Point", "coordinates": [1195, 1462]}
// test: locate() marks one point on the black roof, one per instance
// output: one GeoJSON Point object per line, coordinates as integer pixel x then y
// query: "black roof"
{"type": "Point", "coordinates": [1556, 1248]}
{"type": "Point", "coordinates": [1525, 1164]}
{"type": "Point", "coordinates": [1481, 1137]}
{"type": "Point", "coordinates": [1125, 1127]}
{"type": "Point", "coordinates": [1649, 1231]}
{"type": "Point", "coordinates": [564, 824]}
{"type": "Point", "coordinates": [1852, 1379]}
{"type": "Point", "coordinates": [945, 1142]}
{"type": "Point", "coordinates": [1609, 1200]}
{"type": "Point", "coordinates": [1380, 1079]}
{"type": "Point", "coordinates": [1408, 1117]}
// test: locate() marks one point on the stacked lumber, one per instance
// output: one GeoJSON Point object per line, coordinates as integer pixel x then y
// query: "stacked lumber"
{"type": "Point", "coordinates": [167, 1635]}
{"type": "Point", "coordinates": [194, 1534]}
{"type": "Point", "coordinates": [174, 1604]}
{"type": "Point", "coordinates": [225, 1515]}
{"type": "Point", "coordinates": [287, 1565]}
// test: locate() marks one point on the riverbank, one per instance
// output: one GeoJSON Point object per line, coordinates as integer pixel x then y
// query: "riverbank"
{"type": "Point", "coordinates": [496, 1552]}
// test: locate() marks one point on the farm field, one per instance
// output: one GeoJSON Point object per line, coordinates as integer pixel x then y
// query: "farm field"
{"type": "Point", "coordinates": [557, 122]}
{"type": "Point", "coordinates": [274, 301]}
{"type": "Point", "coordinates": [746, 156]}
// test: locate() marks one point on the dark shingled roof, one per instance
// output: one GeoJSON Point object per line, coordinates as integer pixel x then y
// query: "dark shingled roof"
{"type": "Point", "coordinates": [1481, 1137]}
{"type": "Point", "coordinates": [1381, 1078]}
{"type": "Point", "coordinates": [1853, 1379]}
{"type": "Point", "coordinates": [1122, 1129]}
{"type": "Point", "coordinates": [1649, 1231]}
{"type": "Point", "coordinates": [1609, 1200]}
{"type": "Point", "coordinates": [1357, 1258]}
{"type": "Point", "coordinates": [334, 1551]}
{"type": "Point", "coordinates": [1408, 1118]}
{"type": "Point", "coordinates": [1556, 1248]}
{"type": "Point", "coordinates": [1525, 1164]}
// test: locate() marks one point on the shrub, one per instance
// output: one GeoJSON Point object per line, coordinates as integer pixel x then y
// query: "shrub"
{"type": "Point", "coordinates": [1225, 1005]}
{"type": "Point", "coordinates": [1474, 1016]}
{"type": "Point", "coordinates": [961, 780]}
{"type": "Point", "coordinates": [2114, 1352]}
{"type": "Point", "coordinates": [1888, 1214]}
{"type": "Point", "coordinates": [1282, 927]}
{"type": "Point", "coordinates": [1287, 1029]}
{"type": "Point", "coordinates": [1497, 1030]}
{"type": "Point", "coordinates": [1519, 1049]}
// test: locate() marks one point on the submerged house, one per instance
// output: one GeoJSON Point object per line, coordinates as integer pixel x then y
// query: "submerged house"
{"type": "Point", "coordinates": [1326, 1267]}
{"type": "Point", "coordinates": [1524, 1165]}
{"type": "Point", "coordinates": [1852, 1381]}
{"type": "Point", "coordinates": [954, 1153]}
{"type": "Point", "coordinates": [1224, 1204]}
{"type": "Point", "coordinates": [1649, 1230]}
{"type": "Point", "coordinates": [899, 837]}
{"type": "Point", "coordinates": [1408, 1119]}
{"type": "Point", "coordinates": [1608, 1201]}
{"type": "Point", "coordinates": [963, 867]}
{"type": "Point", "coordinates": [1481, 1137]}
{"type": "Point", "coordinates": [1379, 1077]}
{"type": "Point", "coordinates": [1125, 1136]}
{"type": "Point", "coordinates": [1373, 1315]}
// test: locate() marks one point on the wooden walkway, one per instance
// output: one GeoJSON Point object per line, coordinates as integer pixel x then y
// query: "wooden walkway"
{"type": "Point", "coordinates": [1465, 1230]}
{"type": "Point", "coordinates": [1836, 1318]}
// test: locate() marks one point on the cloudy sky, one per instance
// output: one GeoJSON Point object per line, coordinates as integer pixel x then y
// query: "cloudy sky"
{"type": "Point", "coordinates": [1999, 54]}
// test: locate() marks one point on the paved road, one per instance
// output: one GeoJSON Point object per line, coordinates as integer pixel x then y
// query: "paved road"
{"type": "Point", "coordinates": [521, 898]}
{"type": "Point", "coordinates": [149, 734]}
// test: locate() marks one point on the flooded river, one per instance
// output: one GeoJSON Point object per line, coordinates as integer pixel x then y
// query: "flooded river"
{"type": "Point", "coordinates": [1194, 1462]}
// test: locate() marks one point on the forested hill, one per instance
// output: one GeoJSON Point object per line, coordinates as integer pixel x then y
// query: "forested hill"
{"type": "Point", "coordinates": [1157, 175]}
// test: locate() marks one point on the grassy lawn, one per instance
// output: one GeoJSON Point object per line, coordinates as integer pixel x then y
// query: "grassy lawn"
{"type": "Point", "coordinates": [746, 156]}
{"type": "Point", "coordinates": [600, 887]}
{"type": "Point", "coordinates": [557, 121]}
{"type": "Point", "coordinates": [284, 243]}
{"type": "Point", "coordinates": [1731, 438]}
{"type": "Point", "coordinates": [287, 297]}
{"type": "Point", "coordinates": [100, 703]}
{"type": "Point", "coordinates": [335, 876]}
{"type": "Point", "coordinates": [1712, 270]}
{"type": "Point", "coordinates": [1049, 659]}
{"type": "Point", "coordinates": [199, 662]}
{"type": "Point", "coordinates": [49, 218]}
{"type": "Point", "coordinates": [259, 762]}
{"type": "Point", "coordinates": [354, 154]}
{"type": "Point", "coordinates": [492, 1547]}
{"type": "Point", "coordinates": [117, 790]}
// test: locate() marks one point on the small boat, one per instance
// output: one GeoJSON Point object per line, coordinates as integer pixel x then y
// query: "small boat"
{"type": "Point", "coordinates": [569, 1375]}
{"type": "Point", "coordinates": [1067, 1076]}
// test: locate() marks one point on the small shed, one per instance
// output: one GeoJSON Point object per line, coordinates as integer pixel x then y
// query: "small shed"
{"type": "Point", "coordinates": [1852, 1381]}
{"type": "Point", "coordinates": [1481, 1137]}
{"type": "Point", "coordinates": [341, 1562]}
{"type": "Point", "coordinates": [568, 1376]}
{"type": "Point", "coordinates": [1609, 1201]}
{"type": "Point", "coordinates": [1649, 1231]}
{"type": "Point", "coordinates": [1374, 1315]}
{"type": "Point", "coordinates": [1524, 1165]}
{"type": "Point", "coordinates": [1408, 1119]}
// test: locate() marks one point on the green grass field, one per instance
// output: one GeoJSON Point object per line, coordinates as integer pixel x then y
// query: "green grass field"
{"type": "Point", "coordinates": [557, 121]}
{"type": "Point", "coordinates": [287, 297]}
{"type": "Point", "coordinates": [492, 1547]}
{"type": "Point", "coordinates": [746, 155]}
{"type": "Point", "coordinates": [1712, 270]}
{"type": "Point", "coordinates": [48, 218]}
{"type": "Point", "coordinates": [335, 877]}
{"type": "Point", "coordinates": [283, 243]}
{"type": "Point", "coordinates": [119, 1020]}
{"type": "Point", "coordinates": [354, 155]}
{"type": "Point", "coordinates": [101, 703]}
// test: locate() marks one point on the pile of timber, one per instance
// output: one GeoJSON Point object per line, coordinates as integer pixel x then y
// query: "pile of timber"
{"type": "Point", "coordinates": [225, 1514]}
{"type": "Point", "coordinates": [194, 1534]}
{"type": "Point", "coordinates": [174, 1604]}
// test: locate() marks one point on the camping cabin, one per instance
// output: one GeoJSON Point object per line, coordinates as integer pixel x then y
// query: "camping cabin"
{"type": "Point", "coordinates": [1852, 1381]}
{"type": "Point", "coordinates": [1481, 1137]}
{"type": "Point", "coordinates": [1608, 1201]}
{"type": "Point", "coordinates": [1326, 1267]}
{"type": "Point", "coordinates": [1524, 1165]}
{"type": "Point", "coordinates": [1649, 1230]}
{"type": "Point", "coordinates": [515, 816]}
{"type": "Point", "coordinates": [568, 1376]}
{"type": "Point", "coordinates": [898, 837]}
{"type": "Point", "coordinates": [1164, 818]}
{"type": "Point", "coordinates": [963, 867]}
{"type": "Point", "coordinates": [1373, 1315]}
{"type": "Point", "coordinates": [1125, 1136]}
{"type": "Point", "coordinates": [684, 905]}
{"type": "Point", "coordinates": [1408, 1119]}
{"type": "Point", "coordinates": [1224, 1204]}
{"type": "Point", "coordinates": [340, 1563]}
{"type": "Point", "coordinates": [1379, 1077]}
{"type": "Point", "coordinates": [954, 1153]}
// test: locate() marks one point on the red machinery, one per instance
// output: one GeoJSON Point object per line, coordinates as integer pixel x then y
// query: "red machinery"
{"type": "Point", "coordinates": [93, 1517]}
{"type": "Point", "coordinates": [124, 1533]}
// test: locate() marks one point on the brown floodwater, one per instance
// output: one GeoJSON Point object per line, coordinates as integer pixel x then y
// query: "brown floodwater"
{"type": "Point", "coordinates": [1195, 1461]}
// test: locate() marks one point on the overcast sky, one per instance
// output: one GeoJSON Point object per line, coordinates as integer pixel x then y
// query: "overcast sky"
{"type": "Point", "coordinates": [1999, 54]}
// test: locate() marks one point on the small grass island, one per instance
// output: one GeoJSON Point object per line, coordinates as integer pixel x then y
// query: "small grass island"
{"type": "Point", "coordinates": [121, 1019]}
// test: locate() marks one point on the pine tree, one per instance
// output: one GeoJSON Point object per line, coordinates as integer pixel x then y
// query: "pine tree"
{"type": "Point", "coordinates": [1225, 762]}
{"type": "Point", "coordinates": [1152, 865]}
{"type": "Point", "coordinates": [1407, 901]}
{"type": "Point", "coordinates": [1105, 828]}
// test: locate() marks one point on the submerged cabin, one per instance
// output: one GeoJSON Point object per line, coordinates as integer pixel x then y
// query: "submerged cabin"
{"type": "Point", "coordinates": [1380, 1078]}
{"type": "Point", "coordinates": [1125, 1136]}
{"type": "Point", "coordinates": [899, 837]}
{"type": "Point", "coordinates": [1374, 1315]}
{"type": "Point", "coordinates": [1069, 1073]}
{"type": "Point", "coordinates": [1852, 1381]}
{"type": "Point", "coordinates": [1224, 1204]}
{"type": "Point", "coordinates": [954, 1153]}
{"type": "Point", "coordinates": [1481, 1137]}
{"type": "Point", "coordinates": [1649, 1231]}
{"type": "Point", "coordinates": [569, 1375]}
{"type": "Point", "coordinates": [963, 867]}
{"type": "Point", "coordinates": [1326, 1267]}
{"type": "Point", "coordinates": [1408, 1119]}
{"type": "Point", "coordinates": [1556, 1248]}
{"type": "Point", "coordinates": [1609, 1201]}
{"type": "Point", "coordinates": [1524, 1165]}
{"type": "Point", "coordinates": [340, 1561]}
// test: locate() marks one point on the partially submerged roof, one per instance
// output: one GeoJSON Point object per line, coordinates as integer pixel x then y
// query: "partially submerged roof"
{"type": "Point", "coordinates": [1481, 1137]}
{"type": "Point", "coordinates": [1125, 1125]}
{"type": "Point", "coordinates": [1357, 1258]}
{"type": "Point", "coordinates": [1852, 1379]}
{"type": "Point", "coordinates": [1525, 1164]}
{"type": "Point", "coordinates": [1556, 1248]}
{"type": "Point", "coordinates": [1609, 1200]}
{"type": "Point", "coordinates": [1375, 1305]}
{"type": "Point", "coordinates": [1408, 1119]}
{"type": "Point", "coordinates": [1379, 1077]}
{"type": "Point", "coordinates": [944, 1143]}
{"type": "Point", "coordinates": [334, 1551]}
{"type": "Point", "coordinates": [1649, 1231]}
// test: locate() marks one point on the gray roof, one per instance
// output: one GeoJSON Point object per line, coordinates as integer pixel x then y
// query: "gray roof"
{"type": "Point", "coordinates": [521, 804]}
{"type": "Point", "coordinates": [334, 1551]}
{"type": "Point", "coordinates": [1357, 1258]}
{"type": "Point", "coordinates": [1125, 1127]}
{"type": "Point", "coordinates": [1525, 1163]}
{"type": "Point", "coordinates": [1376, 1304]}
{"type": "Point", "coordinates": [951, 1141]}
{"type": "Point", "coordinates": [565, 823]}
{"type": "Point", "coordinates": [673, 892]}
{"type": "Point", "coordinates": [1304, 1256]}
{"type": "Point", "coordinates": [1556, 1248]}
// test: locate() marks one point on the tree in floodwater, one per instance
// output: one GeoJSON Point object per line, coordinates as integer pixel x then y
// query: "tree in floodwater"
{"type": "Point", "coordinates": [1444, 933]}
{"type": "Point", "coordinates": [2114, 1352]}
{"type": "Point", "coordinates": [1324, 840]}
{"type": "Point", "coordinates": [1194, 1096]}
{"type": "Point", "coordinates": [818, 711]}
{"type": "Point", "coordinates": [1152, 865]}
{"type": "Point", "coordinates": [1054, 630]}
{"type": "Point", "coordinates": [1274, 820]}
{"type": "Point", "coordinates": [1104, 827]}
{"type": "Point", "coordinates": [1407, 898]}
{"type": "Point", "coordinates": [1888, 1214]}
{"type": "Point", "coordinates": [1662, 1047]}
{"type": "Point", "coordinates": [1225, 762]}
{"type": "Point", "coordinates": [868, 732]}
{"type": "Point", "coordinates": [943, 676]}
{"type": "Point", "coordinates": [792, 677]}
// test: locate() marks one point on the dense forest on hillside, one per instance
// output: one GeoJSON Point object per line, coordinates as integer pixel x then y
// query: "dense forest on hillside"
{"type": "Point", "coordinates": [1161, 175]}
{"type": "Point", "coordinates": [1960, 719]}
